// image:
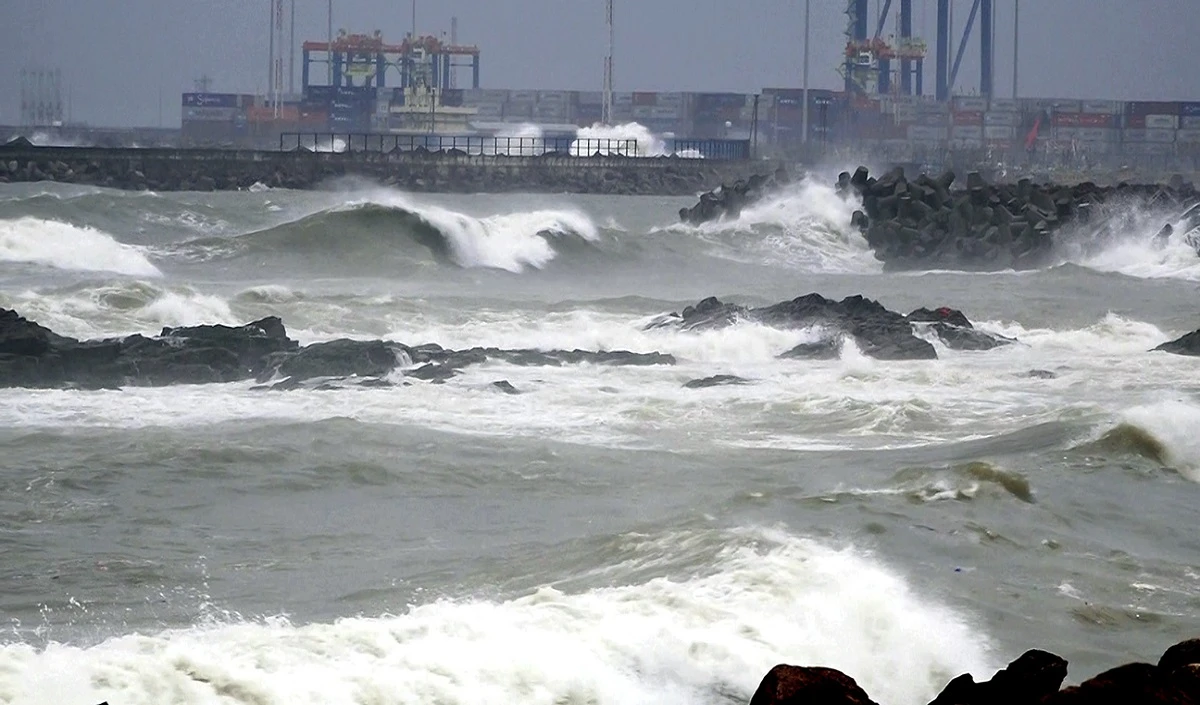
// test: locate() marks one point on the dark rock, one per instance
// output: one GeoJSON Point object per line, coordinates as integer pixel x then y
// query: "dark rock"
{"type": "Point", "coordinates": [799, 685]}
{"type": "Point", "coordinates": [337, 358]}
{"type": "Point", "coordinates": [1186, 345]}
{"type": "Point", "coordinates": [1140, 683]}
{"type": "Point", "coordinates": [506, 387]}
{"type": "Point", "coordinates": [1033, 676]}
{"type": "Point", "coordinates": [715, 381]}
{"type": "Point", "coordinates": [826, 349]}
{"type": "Point", "coordinates": [1185, 653]}
{"type": "Point", "coordinates": [1041, 374]}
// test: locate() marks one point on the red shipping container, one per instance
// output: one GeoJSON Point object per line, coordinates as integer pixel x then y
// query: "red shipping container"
{"type": "Point", "coordinates": [1065, 120]}
{"type": "Point", "coordinates": [1095, 120]}
{"type": "Point", "coordinates": [967, 118]}
{"type": "Point", "coordinates": [645, 98]}
{"type": "Point", "coordinates": [1136, 122]}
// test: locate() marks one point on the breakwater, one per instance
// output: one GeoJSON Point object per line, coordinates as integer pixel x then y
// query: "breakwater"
{"type": "Point", "coordinates": [420, 171]}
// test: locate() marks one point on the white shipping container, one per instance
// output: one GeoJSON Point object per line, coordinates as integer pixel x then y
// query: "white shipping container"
{"type": "Point", "coordinates": [1188, 136]}
{"type": "Point", "coordinates": [673, 100]}
{"type": "Point", "coordinates": [210, 114]}
{"type": "Point", "coordinates": [622, 99]}
{"type": "Point", "coordinates": [554, 97]}
{"type": "Point", "coordinates": [1097, 147]}
{"type": "Point", "coordinates": [965, 143]}
{"type": "Point", "coordinates": [515, 109]}
{"type": "Point", "coordinates": [488, 111]}
{"type": "Point", "coordinates": [1005, 105]}
{"type": "Point", "coordinates": [966, 104]}
{"type": "Point", "coordinates": [1138, 135]}
{"type": "Point", "coordinates": [665, 113]}
{"type": "Point", "coordinates": [932, 107]}
{"type": "Point", "coordinates": [998, 132]}
{"type": "Point", "coordinates": [966, 132]}
{"type": "Point", "coordinates": [591, 98]}
{"type": "Point", "coordinates": [1162, 122]}
{"type": "Point", "coordinates": [1189, 122]}
{"type": "Point", "coordinates": [933, 120]}
{"type": "Point", "coordinates": [1101, 107]}
{"type": "Point", "coordinates": [1159, 135]}
{"type": "Point", "coordinates": [522, 97]}
{"type": "Point", "coordinates": [904, 113]}
{"type": "Point", "coordinates": [925, 133]}
{"type": "Point", "coordinates": [1000, 119]}
{"type": "Point", "coordinates": [1066, 134]}
{"type": "Point", "coordinates": [1066, 106]}
{"type": "Point", "coordinates": [642, 111]}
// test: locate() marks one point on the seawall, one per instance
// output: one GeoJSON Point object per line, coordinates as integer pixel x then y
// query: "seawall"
{"type": "Point", "coordinates": [209, 170]}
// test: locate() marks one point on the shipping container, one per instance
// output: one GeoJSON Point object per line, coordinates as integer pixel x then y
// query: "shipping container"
{"type": "Point", "coordinates": [554, 97]}
{"type": "Point", "coordinates": [1143, 108]}
{"type": "Point", "coordinates": [1162, 122]}
{"type": "Point", "coordinates": [1105, 120]}
{"type": "Point", "coordinates": [1147, 135]}
{"type": "Point", "coordinates": [904, 114]}
{"type": "Point", "coordinates": [924, 133]}
{"type": "Point", "coordinates": [480, 96]}
{"type": "Point", "coordinates": [933, 119]}
{"type": "Point", "coordinates": [518, 109]}
{"type": "Point", "coordinates": [1102, 107]}
{"type": "Point", "coordinates": [266, 113]}
{"type": "Point", "coordinates": [1190, 122]}
{"type": "Point", "coordinates": [665, 113]}
{"type": "Point", "coordinates": [1001, 119]}
{"type": "Point", "coordinates": [966, 132]}
{"type": "Point", "coordinates": [314, 117]}
{"type": "Point", "coordinates": [1065, 134]}
{"type": "Point", "coordinates": [966, 143]}
{"type": "Point", "coordinates": [210, 114]}
{"type": "Point", "coordinates": [1189, 109]}
{"type": "Point", "coordinates": [552, 113]}
{"type": "Point", "coordinates": [1098, 134]}
{"type": "Point", "coordinates": [1190, 136]}
{"type": "Point", "coordinates": [932, 107]}
{"type": "Point", "coordinates": [967, 118]}
{"type": "Point", "coordinates": [1004, 105]}
{"type": "Point", "coordinates": [210, 100]}
{"type": "Point", "coordinates": [1000, 145]}
{"type": "Point", "coordinates": [718, 101]}
{"type": "Point", "coordinates": [1147, 149]}
{"type": "Point", "coordinates": [670, 100]}
{"type": "Point", "coordinates": [591, 98]}
{"type": "Point", "coordinates": [529, 97]}
{"type": "Point", "coordinates": [999, 132]}
{"type": "Point", "coordinates": [1135, 122]}
{"type": "Point", "coordinates": [641, 111]}
{"type": "Point", "coordinates": [968, 104]}
{"type": "Point", "coordinates": [644, 99]}
{"type": "Point", "coordinates": [1065, 106]}
{"type": "Point", "coordinates": [1065, 120]}
{"type": "Point", "coordinates": [452, 97]}
{"type": "Point", "coordinates": [623, 99]}
{"type": "Point", "coordinates": [489, 111]}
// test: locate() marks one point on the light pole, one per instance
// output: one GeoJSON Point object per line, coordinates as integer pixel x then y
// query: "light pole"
{"type": "Point", "coordinates": [804, 119]}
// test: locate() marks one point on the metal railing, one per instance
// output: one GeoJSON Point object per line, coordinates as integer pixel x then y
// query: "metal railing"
{"type": "Point", "coordinates": [717, 149]}
{"type": "Point", "coordinates": [358, 142]}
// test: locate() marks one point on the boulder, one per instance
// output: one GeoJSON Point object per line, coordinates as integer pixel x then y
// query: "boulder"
{"type": "Point", "coordinates": [1186, 345]}
{"type": "Point", "coordinates": [715, 381]}
{"type": "Point", "coordinates": [801, 685]}
{"type": "Point", "coordinates": [1033, 676]}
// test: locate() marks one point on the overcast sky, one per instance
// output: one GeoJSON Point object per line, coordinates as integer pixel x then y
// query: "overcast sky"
{"type": "Point", "coordinates": [118, 56]}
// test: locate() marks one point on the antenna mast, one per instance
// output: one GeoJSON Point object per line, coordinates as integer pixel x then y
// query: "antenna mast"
{"type": "Point", "coordinates": [607, 111]}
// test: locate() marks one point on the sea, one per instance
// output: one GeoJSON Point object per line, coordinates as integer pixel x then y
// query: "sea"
{"type": "Point", "coordinates": [607, 536]}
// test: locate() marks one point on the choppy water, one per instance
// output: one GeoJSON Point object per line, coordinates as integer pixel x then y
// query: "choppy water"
{"type": "Point", "coordinates": [607, 536]}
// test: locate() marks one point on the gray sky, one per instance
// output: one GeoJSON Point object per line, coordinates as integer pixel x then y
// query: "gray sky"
{"type": "Point", "coordinates": [118, 56]}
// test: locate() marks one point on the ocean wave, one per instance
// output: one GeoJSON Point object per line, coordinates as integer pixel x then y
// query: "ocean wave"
{"type": "Point", "coordinates": [768, 597]}
{"type": "Point", "coordinates": [388, 225]}
{"type": "Point", "coordinates": [1126, 244]}
{"type": "Point", "coordinates": [806, 226]}
{"type": "Point", "coordinates": [1165, 432]}
{"type": "Point", "coordinates": [50, 243]}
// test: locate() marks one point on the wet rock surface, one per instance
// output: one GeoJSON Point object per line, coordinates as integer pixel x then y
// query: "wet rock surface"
{"type": "Point", "coordinates": [1035, 678]}
{"type": "Point", "coordinates": [875, 330]}
{"type": "Point", "coordinates": [34, 356]}
{"type": "Point", "coordinates": [936, 221]}
{"type": "Point", "coordinates": [1188, 344]}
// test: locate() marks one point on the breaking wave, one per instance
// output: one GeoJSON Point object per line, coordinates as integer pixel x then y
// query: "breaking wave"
{"type": "Point", "coordinates": [51, 243]}
{"type": "Point", "coordinates": [389, 225]}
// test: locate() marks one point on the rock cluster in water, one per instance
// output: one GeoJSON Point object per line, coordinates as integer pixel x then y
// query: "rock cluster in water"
{"type": "Point", "coordinates": [1035, 678]}
{"type": "Point", "coordinates": [34, 356]}
{"type": "Point", "coordinates": [989, 226]}
{"type": "Point", "coordinates": [728, 200]}
{"type": "Point", "coordinates": [875, 330]}
{"type": "Point", "coordinates": [928, 222]}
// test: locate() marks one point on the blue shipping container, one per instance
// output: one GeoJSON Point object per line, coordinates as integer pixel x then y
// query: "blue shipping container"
{"type": "Point", "coordinates": [319, 94]}
{"type": "Point", "coordinates": [210, 100]}
{"type": "Point", "coordinates": [710, 101]}
{"type": "Point", "coordinates": [1189, 109]}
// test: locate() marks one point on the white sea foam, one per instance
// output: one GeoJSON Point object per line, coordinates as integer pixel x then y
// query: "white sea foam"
{"type": "Point", "coordinates": [771, 598]}
{"type": "Point", "coordinates": [1176, 424]}
{"type": "Point", "coordinates": [1132, 249]}
{"type": "Point", "coordinates": [64, 246]}
{"type": "Point", "coordinates": [510, 241]}
{"type": "Point", "coordinates": [613, 138]}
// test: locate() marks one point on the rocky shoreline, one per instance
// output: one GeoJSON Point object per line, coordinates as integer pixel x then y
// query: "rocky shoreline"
{"type": "Point", "coordinates": [34, 356]}
{"type": "Point", "coordinates": [1035, 678]}
{"type": "Point", "coordinates": [417, 171]}
{"type": "Point", "coordinates": [928, 222]}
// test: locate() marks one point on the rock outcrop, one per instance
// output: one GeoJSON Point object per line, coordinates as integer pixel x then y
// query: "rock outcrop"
{"type": "Point", "coordinates": [34, 356]}
{"type": "Point", "coordinates": [1035, 678]}
{"type": "Point", "coordinates": [1188, 344]}
{"type": "Point", "coordinates": [728, 200]}
{"type": "Point", "coordinates": [878, 332]}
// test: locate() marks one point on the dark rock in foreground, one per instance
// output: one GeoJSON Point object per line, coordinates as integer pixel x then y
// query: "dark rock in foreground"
{"type": "Point", "coordinates": [715, 381]}
{"type": "Point", "coordinates": [878, 332]}
{"type": "Point", "coordinates": [34, 356]}
{"type": "Point", "coordinates": [1033, 679]}
{"type": "Point", "coordinates": [1186, 345]}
